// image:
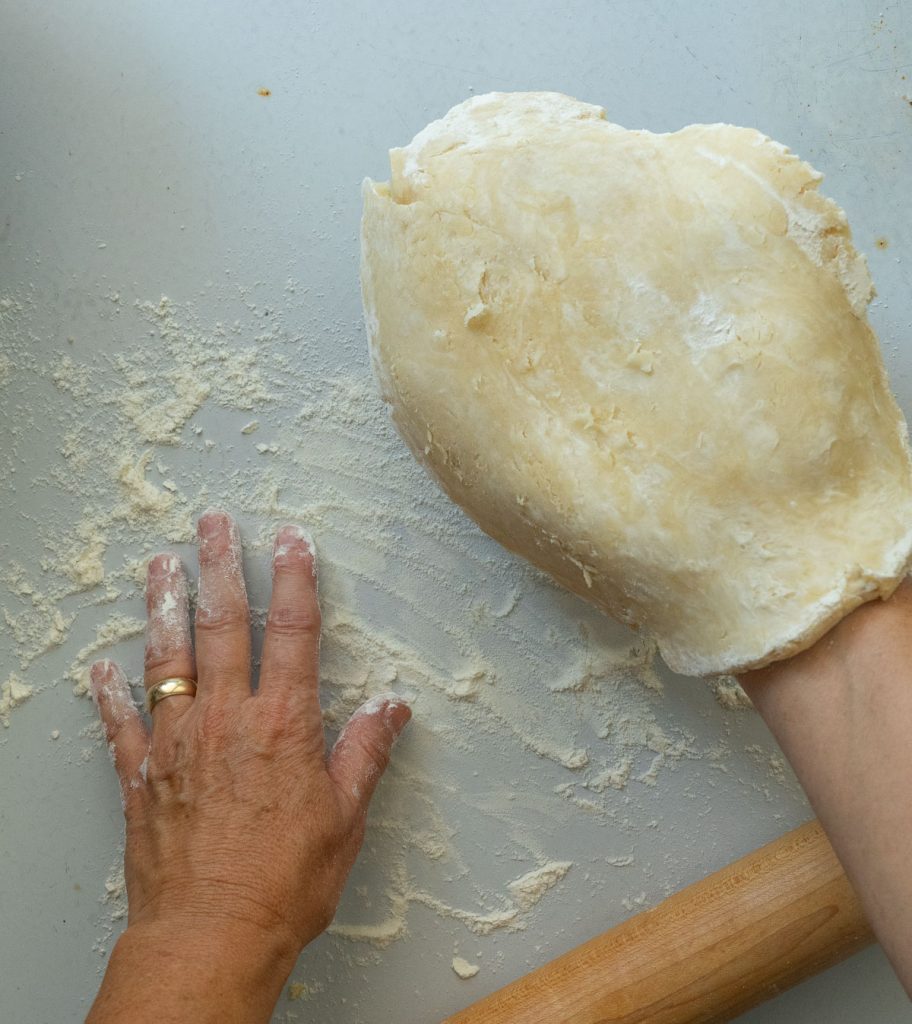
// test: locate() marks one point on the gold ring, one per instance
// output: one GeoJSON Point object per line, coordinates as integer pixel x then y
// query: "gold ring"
{"type": "Point", "coordinates": [176, 686]}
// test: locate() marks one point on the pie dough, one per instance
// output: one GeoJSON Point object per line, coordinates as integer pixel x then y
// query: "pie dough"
{"type": "Point", "coordinates": [643, 363]}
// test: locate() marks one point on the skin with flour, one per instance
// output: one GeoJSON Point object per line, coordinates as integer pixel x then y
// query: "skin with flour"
{"type": "Point", "coordinates": [227, 779]}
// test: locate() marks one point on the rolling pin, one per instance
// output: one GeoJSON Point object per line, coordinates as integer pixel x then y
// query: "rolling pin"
{"type": "Point", "coordinates": [704, 955]}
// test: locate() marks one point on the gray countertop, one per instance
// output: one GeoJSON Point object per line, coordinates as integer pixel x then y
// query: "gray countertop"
{"type": "Point", "coordinates": [139, 159]}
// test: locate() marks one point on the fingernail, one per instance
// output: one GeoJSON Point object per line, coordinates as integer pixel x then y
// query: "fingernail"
{"type": "Point", "coordinates": [374, 704]}
{"type": "Point", "coordinates": [162, 566]}
{"type": "Point", "coordinates": [220, 548]}
{"type": "Point", "coordinates": [395, 709]}
{"type": "Point", "coordinates": [293, 544]}
{"type": "Point", "coordinates": [401, 720]}
{"type": "Point", "coordinates": [101, 672]}
{"type": "Point", "coordinates": [100, 675]}
{"type": "Point", "coordinates": [211, 523]}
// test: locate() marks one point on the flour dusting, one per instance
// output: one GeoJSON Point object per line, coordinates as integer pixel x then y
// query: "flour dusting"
{"type": "Point", "coordinates": [539, 726]}
{"type": "Point", "coordinates": [13, 693]}
{"type": "Point", "coordinates": [464, 969]}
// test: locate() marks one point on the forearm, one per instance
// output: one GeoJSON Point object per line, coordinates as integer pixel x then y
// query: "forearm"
{"type": "Point", "coordinates": [842, 714]}
{"type": "Point", "coordinates": [169, 976]}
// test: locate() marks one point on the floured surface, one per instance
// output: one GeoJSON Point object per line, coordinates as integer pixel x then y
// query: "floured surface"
{"type": "Point", "coordinates": [14, 692]}
{"type": "Point", "coordinates": [544, 734]}
{"type": "Point", "coordinates": [142, 161]}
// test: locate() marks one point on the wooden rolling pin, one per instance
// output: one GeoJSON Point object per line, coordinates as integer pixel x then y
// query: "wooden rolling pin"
{"type": "Point", "coordinates": [706, 954]}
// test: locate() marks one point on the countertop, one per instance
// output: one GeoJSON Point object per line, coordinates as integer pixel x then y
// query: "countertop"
{"type": "Point", "coordinates": [212, 155]}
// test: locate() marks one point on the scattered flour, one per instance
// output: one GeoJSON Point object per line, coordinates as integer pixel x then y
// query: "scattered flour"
{"type": "Point", "coordinates": [158, 419]}
{"type": "Point", "coordinates": [466, 685]}
{"type": "Point", "coordinates": [114, 901]}
{"type": "Point", "coordinates": [71, 378]}
{"type": "Point", "coordinates": [615, 778]}
{"type": "Point", "coordinates": [85, 567]}
{"type": "Point", "coordinates": [522, 895]}
{"type": "Point", "coordinates": [304, 989]}
{"type": "Point", "coordinates": [464, 969]}
{"type": "Point", "coordinates": [37, 633]}
{"type": "Point", "coordinates": [380, 935]}
{"type": "Point", "coordinates": [143, 501]}
{"type": "Point", "coordinates": [116, 628]}
{"type": "Point", "coordinates": [637, 902]}
{"type": "Point", "coordinates": [14, 692]}
{"type": "Point", "coordinates": [115, 893]}
{"type": "Point", "coordinates": [497, 662]}
{"type": "Point", "coordinates": [41, 625]}
{"type": "Point", "coordinates": [528, 890]}
{"type": "Point", "coordinates": [730, 694]}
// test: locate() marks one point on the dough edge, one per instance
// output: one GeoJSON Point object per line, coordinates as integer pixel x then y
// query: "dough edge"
{"type": "Point", "coordinates": [823, 616]}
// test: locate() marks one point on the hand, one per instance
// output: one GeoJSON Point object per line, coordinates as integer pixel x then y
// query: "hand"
{"type": "Point", "coordinates": [240, 832]}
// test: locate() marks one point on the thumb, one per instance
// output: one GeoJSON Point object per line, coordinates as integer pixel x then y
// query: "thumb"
{"type": "Point", "coordinates": [362, 751]}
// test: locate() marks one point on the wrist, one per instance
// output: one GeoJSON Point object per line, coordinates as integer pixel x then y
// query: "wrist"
{"type": "Point", "coordinates": [175, 970]}
{"type": "Point", "coordinates": [222, 941]}
{"type": "Point", "coordinates": [241, 951]}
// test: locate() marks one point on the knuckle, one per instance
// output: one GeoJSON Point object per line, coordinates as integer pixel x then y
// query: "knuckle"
{"type": "Point", "coordinates": [291, 619]}
{"type": "Point", "coordinates": [113, 727]}
{"type": "Point", "coordinates": [160, 770]}
{"type": "Point", "coordinates": [169, 713]}
{"type": "Point", "coordinates": [377, 750]}
{"type": "Point", "coordinates": [376, 753]}
{"type": "Point", "coordinates": [159, 660]}
{"type": "Point", "coordinates": [134, 797]}
{"type": "Point", "coordinates": [214, 622]}
{"type": "Point", "coordinates": [275, 716]}
{"type": "Point", "coordinates": [295, 568]}
{"type": "Point", "coordinates": [283, 726]}
{"type": "Point", "coordinates": [213, 719]}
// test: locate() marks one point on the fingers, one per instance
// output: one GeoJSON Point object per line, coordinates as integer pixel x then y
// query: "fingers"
{"type": "Point", "coordinates": [291, 648]}
{"type": "Point", "coordinates": [222, 613]}
{"type": "Point", "coordinates": [127, 738]}
{"type": "Point", "coordinates": [362, 751]}
{"type": "Point", "coordinates": [169, 649]}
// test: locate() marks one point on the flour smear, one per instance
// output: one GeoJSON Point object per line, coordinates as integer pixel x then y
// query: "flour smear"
{"type": "Point", "coordinates": [540, 728]}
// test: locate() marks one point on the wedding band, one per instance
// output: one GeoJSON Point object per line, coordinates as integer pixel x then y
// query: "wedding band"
{"type": "Point", "coordinates": [176, 686]}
